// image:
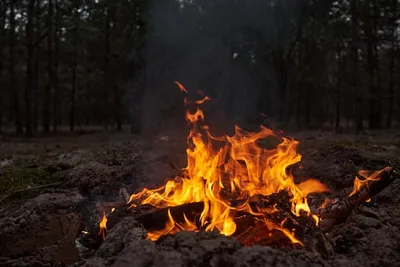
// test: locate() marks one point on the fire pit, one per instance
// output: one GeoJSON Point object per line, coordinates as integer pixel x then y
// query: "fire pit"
{"type": "Point", "coordinates": [239, 186]}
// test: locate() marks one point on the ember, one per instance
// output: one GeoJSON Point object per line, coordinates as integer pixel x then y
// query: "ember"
{"type": "Point", "coordinates": [245, 188]}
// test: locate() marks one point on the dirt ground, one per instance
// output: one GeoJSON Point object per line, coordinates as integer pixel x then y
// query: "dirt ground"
{"type": "Point", "coordinates": [49, 188]}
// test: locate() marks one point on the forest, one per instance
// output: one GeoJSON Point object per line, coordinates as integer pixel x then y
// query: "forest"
{"type": "Point", "coordinates": [306, 63]}
{"type": "Point", "coordinates": [198, 133]}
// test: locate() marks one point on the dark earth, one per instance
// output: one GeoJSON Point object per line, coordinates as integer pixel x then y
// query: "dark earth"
{"type": "Point", "coordinates": [49, 188]}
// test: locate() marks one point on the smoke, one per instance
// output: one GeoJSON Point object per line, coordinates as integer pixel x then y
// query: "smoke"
{"type": "Point", "coordinates": [213, 46]}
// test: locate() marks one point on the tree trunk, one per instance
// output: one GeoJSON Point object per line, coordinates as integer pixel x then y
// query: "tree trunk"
{"type": "Point", "coordinates": [87, 110]}
{"type": "Point", "coordinates": [117, 108]}
{"type": "Point", "coordinates": [300, 82]}
{"type": "Point", "coordinates": [299, 105]}
{"type": "Point", "coordinates": [3, 9]}
{"type": "Point", "coordinates": [74, 74]}
{"type": "Point", "coordinates": [106, 65]}
{"type": "Point", "coordinates": [136, 123]}
{"type": "Point", "coordinates": [55, 75]}
{"type": "Point", "coordinates": [338, 85]}
{"type": "Point", "coordinates": [35, 99]}
{"type": "Point", "coordinates": [138, 91]}
{"type": "Point", "coordinates": [48, 88]}
{"type": "Point", "coordinates": [354, 52]}
{"type": "Point", "coordinates": [282, 85]}
{"type": "Point", "coordinates": [378, 91]}
{"type": "Point", "coordinates": [308, 96]}
{"type": "Point", "coordinates": [29, 68]}
{"type": "Point", "coordinates": [372, 58]}
{"type": "Point", "coordinates": [14, 88]}
{"type": "Point", "coordinates": [391, 70]}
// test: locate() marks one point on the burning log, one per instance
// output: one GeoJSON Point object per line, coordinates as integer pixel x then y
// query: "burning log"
{"type": "Point", "coordinates": [154, 219]}
{"type": "Point", "coordinates": [281, 200]}
{"type": "Point", "coordinates": [251, 229]}
{"type": "Point", "coordinates": [278, 232]}
{"type": "Point", "coordinates": [337, 210]}
{"type": "Point", "coordinates": [261, 235]}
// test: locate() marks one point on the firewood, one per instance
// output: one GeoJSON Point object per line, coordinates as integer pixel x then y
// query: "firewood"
{"type": "Point", "coordinates": [281, 200]}
{"type": "Point", "coordinates": [259, 234]}
{"type": "Point", "coordinates": [303, 227]}
{"type": "Point", "coordinates": [156, 219]}
{"type": "Point", "coordinates": [338, 210]}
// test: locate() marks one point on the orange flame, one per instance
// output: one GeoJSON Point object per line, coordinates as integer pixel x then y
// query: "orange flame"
{"type": "Point", "coordinates": [199, 102]}
{"type": "Point", "coordinates": [181, 87]}
{"type": "Point", "coordinates": [368, 176]}
{"type": "Point", "coordinates": [171, 227]}
{"type": "Point", "coordinates": [103, 226]}
{"type": "Point", "coordinates": [242, 167]}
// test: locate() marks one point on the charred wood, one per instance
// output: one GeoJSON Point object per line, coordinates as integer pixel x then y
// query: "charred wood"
{"type": "Point", "coordinates": [261, 235]}
{"type": "Point", "coordinates": [338, 210]}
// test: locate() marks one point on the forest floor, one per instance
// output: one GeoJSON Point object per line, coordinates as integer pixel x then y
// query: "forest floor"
{"type": "Point", "coordinates": [49, 187]}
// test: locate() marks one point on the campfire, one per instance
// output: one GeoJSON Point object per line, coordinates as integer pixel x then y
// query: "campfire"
{"type": "Point", "coordinates": [238, 186]}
